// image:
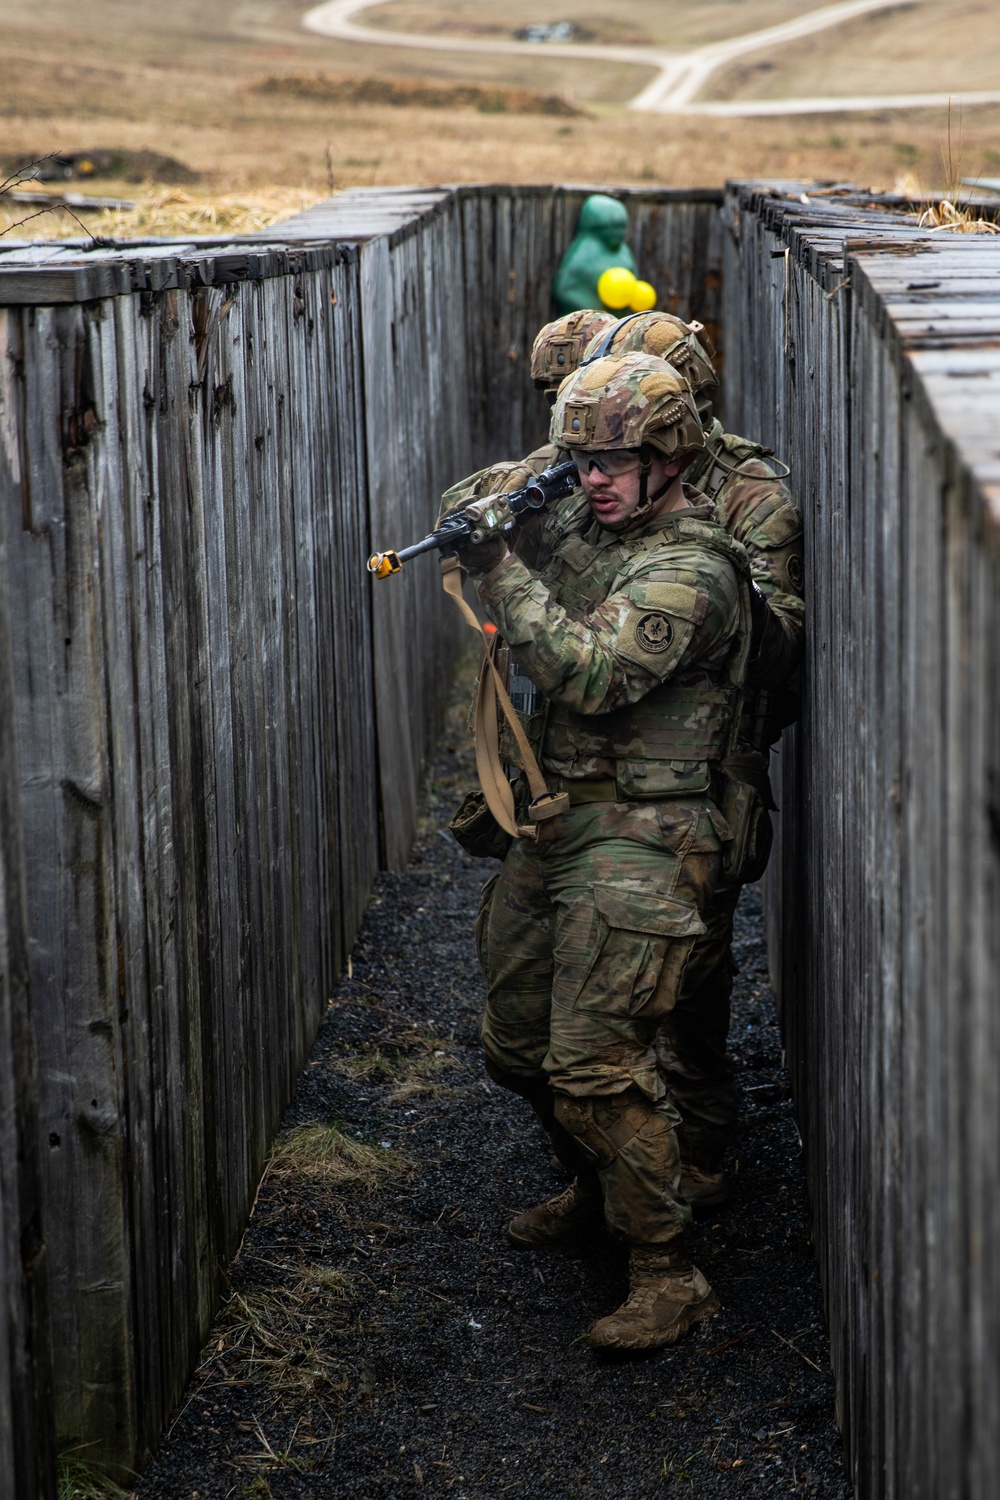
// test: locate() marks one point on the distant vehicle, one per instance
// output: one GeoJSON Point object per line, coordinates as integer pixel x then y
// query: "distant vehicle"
{"type": "Point", "coordinates": [558, 31]}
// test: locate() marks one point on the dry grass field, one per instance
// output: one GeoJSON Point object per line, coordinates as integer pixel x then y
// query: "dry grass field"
{"type": "Point", "coordinates": [673, 23]}
{"type": "Point", "coordinates": [184, 79]}
{"type": "Point", "coordinates": [913, 48]}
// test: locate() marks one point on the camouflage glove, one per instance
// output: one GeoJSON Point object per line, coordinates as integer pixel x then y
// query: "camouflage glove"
{"type": "Point", "coordinates": [482, 557]}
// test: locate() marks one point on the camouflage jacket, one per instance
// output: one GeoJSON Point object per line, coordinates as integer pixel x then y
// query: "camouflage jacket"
{"type": "Point", "coordinates": [756, 508]}
{"type": "Point", "coordinates": [637, 642]}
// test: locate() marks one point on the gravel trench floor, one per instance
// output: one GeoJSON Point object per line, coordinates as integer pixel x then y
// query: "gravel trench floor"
{"type": "Point", "coordinates": [381, 1338]}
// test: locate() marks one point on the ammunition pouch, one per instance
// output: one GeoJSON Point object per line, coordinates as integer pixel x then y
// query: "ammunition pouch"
{"type": "Point", "coordinates": [477, 831]}
{"type": "Point", "coordinates": [663, 746]}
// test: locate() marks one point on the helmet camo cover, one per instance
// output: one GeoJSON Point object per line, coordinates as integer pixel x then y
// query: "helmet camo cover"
{"type": "Point", "coordinates": [625, 401]}
{"type": "Point", "coordinates": [560, 345]}
{"type": "Point", "coordinates": [686, 346]}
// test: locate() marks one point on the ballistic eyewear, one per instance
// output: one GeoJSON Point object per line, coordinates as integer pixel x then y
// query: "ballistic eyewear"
{"type": "Point", "coordinates": [610, 461]}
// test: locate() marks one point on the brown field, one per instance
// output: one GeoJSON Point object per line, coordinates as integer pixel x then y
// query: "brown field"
{"type": "Point", "coordinates": [673, 23]}
{"type": "Point", "coordinates": [923, 48]}
{"type": "Point", "coordinates": [182, 79]}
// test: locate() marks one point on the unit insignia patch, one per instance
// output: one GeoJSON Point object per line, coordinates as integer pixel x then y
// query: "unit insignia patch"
{"type": "Point", "coordinates": [654, 632]}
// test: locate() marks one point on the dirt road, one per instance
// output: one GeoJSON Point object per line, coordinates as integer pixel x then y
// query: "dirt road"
{"type": "Point", "coordinates": [680, 76]}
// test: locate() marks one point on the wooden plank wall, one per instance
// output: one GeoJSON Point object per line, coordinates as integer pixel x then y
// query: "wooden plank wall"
{"type": "Point", "coordinates": [866, 352]}
{"type": "Point", "coordinates": [27, 1449]}
{"type": "Point", "coordinates": [211, 727]}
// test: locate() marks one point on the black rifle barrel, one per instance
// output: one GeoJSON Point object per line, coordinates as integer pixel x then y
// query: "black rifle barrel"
{"type": "Point", "coordinates": [552, 484]}
{"type": "Point", "coordinates": [443, 537]}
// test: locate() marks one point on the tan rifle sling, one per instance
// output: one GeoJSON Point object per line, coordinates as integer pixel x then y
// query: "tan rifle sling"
{"type": "Point", "coordinates": [492, 777]}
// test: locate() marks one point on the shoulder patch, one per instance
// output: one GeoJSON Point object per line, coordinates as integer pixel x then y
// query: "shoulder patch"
{"type": "Point", "coordinates": [652, 639]}
{"type": "Point", "coordinates": [654, 631]}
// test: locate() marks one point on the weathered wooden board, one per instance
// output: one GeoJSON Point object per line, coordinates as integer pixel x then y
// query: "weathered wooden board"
{"type": "Point", "coordinates": [883, 897]}
{"type": "Point", "coordinates": [27, 1428]}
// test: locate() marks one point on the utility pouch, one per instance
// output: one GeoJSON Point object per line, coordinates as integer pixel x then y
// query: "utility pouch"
{"type": "Point", "coordinates": [477, 830]}
{"type": "Point", "coordinates": [745, 808]}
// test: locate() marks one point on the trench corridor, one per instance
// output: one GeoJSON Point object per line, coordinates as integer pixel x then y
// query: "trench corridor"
{"type": "Point", "coordinates": [382, 1340]}
{"type": "Point", "coordinates": [210, 745]}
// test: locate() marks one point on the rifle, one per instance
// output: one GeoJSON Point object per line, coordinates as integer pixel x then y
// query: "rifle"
{"type": "Point", "coordinates": [477, 520]}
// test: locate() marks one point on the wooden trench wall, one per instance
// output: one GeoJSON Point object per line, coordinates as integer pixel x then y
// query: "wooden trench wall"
{"type": "Point", "coordinates": [868, 353]}
{"type": "Point", "coordinates": [212, 726]}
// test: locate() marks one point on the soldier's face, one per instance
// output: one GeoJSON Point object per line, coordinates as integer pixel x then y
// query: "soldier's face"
{"type": "Point", "coordinates": [615, 497]}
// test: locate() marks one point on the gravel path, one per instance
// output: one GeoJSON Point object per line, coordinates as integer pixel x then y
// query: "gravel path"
{"type": "Point", "coordinates": [382, 1340]}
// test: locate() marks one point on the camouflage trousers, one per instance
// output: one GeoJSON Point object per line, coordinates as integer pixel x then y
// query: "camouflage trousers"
{"type": "Point", "coordinates": [584, 939]}
{"type": "Point", "coordinates": [691, 1045]}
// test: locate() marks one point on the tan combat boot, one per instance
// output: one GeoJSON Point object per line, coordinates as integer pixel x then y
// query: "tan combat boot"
{"type": "Point", "coordinates": [576, 1209]}
{"type": "Point", "coordinates": [704, 1190]}
{"type": "Point", "coordinates": [668, 1295]}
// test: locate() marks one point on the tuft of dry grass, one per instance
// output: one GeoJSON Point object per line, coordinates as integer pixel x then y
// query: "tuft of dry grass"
{"type": "Point", "coordinates": [368, 1065]}
{"type": "Point", "coordinates": [76, 1479]}
{"type": "Point", "coordinates": [410, 1076]}
{"type": "Point", "coordinates": [257, 1489]}
{"type": "Point", "coordinates": [326, 1157]}
{"type": "Point", "coordinates": [950, 211]}
{"type": "Point", "coordinates": [160, 212]}
{"type": "Point", "coordinates": [963, 218]}
{"type": "Point", "coordinates": [286, 1334]}
{"type": "Point", "coordinates": [420, 1078]}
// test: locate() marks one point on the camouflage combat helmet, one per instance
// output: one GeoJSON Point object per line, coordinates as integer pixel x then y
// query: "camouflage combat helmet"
{"type": "Point", "coordinates": [686, 346]}
{"type": "Point", "coordinates": [629, 401]}
{"type": "Point", "coordinates": [559, 346]}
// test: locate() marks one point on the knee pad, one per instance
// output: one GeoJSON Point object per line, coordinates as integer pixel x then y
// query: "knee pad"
{"type": "Point", "coordinates": [602, 1125]}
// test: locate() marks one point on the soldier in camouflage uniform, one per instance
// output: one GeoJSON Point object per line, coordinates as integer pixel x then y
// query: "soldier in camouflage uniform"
{"type": "Point", "coordinates": [632, 622]}
{"type": "Point", "coordinates": [754, 507]}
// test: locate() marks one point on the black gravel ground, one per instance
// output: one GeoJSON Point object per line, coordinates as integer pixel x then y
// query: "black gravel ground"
{"type": "Point", "coordinates": [383, 1340]}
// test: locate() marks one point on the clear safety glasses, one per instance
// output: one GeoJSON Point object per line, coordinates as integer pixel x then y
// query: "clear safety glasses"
{"type": "Point", "coordinates": [610, 461]}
